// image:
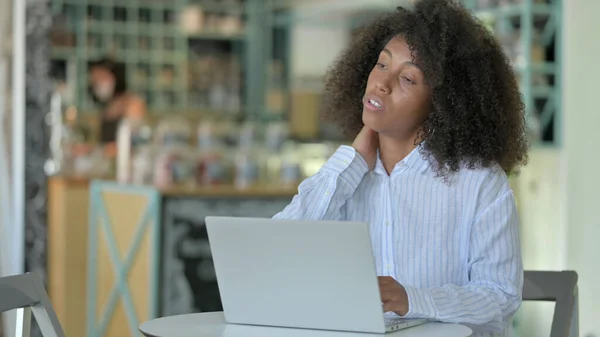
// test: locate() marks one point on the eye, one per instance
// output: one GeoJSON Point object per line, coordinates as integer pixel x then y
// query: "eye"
{"type": "Point", "coordinates": [380, 65]}
{"type": "Point", "coordinates": [407, 80]}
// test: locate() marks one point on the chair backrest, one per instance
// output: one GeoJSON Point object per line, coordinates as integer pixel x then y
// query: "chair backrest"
{"type": "Point", "coordinates": [26, 293]}
{"type": "Point", "coordinates": [559, 287]}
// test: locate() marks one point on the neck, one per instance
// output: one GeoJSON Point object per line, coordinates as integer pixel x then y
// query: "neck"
{"type": "Point", "coordinates": [393, 150]}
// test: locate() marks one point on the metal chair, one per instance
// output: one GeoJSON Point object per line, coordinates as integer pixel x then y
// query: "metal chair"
{"type": "Point", "coordinates": [559, 287]}
{"type": "Point", "coordinates": [26, 293]}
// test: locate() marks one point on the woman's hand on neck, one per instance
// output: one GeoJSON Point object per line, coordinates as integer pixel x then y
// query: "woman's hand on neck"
{"type": "Point", "coordinates": [393, 149]}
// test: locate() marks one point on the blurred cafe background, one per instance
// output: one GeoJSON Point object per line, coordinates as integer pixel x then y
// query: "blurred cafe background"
{"type": "Point", "coordinates": [124, 124]}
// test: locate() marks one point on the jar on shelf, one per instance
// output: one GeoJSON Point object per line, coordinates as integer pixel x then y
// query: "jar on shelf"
{"type": "Point", "coordinates": [276, 135]}
{"type": "Point", "coordinates": [217, 96]}
{"type": "Point", "coordinates": [92, 164]}
{"type": "Point", "coordinates": [270, 168]}
{"type": "Point", "coordinates": [230, 25]}
{"type": "Point", "coordinates": [248, 135]}
{"type": "Point", "coordinates": [247, 169]}
{"type": "Point", "coordinates": [213, 167]}
{"type": "Point", "coordinates": [214, 159]}
{"type": "Point", "coordinates": [174, 165]}
{"type": "Point", "coordinates": [206, 135]}
{"type": "Point", "coordinates": [173, 131]}
{"type": "Point", "coordinates": [182, 167]}
{"type": "Point", "coordinates": [192, 19]}
{"type": "Point", "coordinates": [269, 156]}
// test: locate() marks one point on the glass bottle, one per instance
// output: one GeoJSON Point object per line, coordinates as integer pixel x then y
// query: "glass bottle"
{"type": "Point", "coordinates": [143, 166]}
{"type": "Point", "coordinates": [213, 164]}
{"type": "Point", "coordinates": [290, 174]}
{"type": "Point", "coordinates": [276, 135]}
{"type": "Point", "coordinates": [246, 168]}
{"type": "Point", "coordinates": [131, 134]}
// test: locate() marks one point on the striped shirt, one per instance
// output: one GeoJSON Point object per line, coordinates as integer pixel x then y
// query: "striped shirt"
{"type": "Point", "coordinates": [454, 245]}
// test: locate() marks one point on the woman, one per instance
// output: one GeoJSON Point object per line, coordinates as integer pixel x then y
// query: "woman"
{"type": "Point", "coordinates": [437, 121]}
{"type": "Point", "coordinates": [108, 87]}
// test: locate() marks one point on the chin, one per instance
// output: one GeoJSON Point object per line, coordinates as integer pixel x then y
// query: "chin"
{"type": "Point", "coordinates": [371, 120]}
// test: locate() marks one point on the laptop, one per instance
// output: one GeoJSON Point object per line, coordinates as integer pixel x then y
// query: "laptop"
{"type": "Point", "coordinates": [299, 274]}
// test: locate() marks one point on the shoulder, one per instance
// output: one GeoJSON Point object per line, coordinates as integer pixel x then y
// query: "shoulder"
{"type": "Point", "coordinates": [486, 185]}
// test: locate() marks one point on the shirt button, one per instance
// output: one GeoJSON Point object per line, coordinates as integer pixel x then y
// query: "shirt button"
{"type": "Point", "coordinates": [326, 192]}
{"type": "Point", "coordinates": [346, 162]}
{"type": "Point", "coordinates": [387, 223]}
{"type": "Point", "coordinates": [389, 267]}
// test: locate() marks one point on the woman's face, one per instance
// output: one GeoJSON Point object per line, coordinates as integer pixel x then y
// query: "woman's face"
{"type": "Point", "coordinates": [397, 101]}
{"type": "Point", "coordinates": [103, 83]}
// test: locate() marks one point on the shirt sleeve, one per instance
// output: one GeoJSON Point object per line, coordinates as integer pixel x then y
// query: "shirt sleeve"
{"type": "Point", "coordinates": [494, 290]}
{"type": "Point", "coordinates": [324, 195]}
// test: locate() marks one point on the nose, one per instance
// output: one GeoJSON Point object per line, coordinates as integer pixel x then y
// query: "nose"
{"type": "Point", "coordinates": [383, 86]}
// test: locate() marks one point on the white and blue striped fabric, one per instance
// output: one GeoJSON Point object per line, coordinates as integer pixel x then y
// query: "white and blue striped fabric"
{"type": "Point", "coordinates": [453, 245]}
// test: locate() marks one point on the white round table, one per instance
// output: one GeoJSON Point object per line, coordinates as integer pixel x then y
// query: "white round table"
{"type": "Point", "coordinates": [213, 325]}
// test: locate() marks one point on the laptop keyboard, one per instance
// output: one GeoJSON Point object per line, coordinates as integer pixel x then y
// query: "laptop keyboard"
{"type": "Point", "coordinates": [394, 320]}
{"type": "Point", "coordinates": [391, 320]}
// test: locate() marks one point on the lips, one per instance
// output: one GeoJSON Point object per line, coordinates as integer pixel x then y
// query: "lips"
{"type": "Point", "coordinates": [373, 102]}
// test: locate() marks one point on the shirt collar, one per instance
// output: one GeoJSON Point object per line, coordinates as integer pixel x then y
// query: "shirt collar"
{"type": "Point", "coordinates": [414, 160]}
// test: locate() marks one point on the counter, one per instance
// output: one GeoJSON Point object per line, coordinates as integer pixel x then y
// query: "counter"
{"type": "Point", "coordinates": [68, 204]}
{"type": "Point", "coordinates": [144, 250]}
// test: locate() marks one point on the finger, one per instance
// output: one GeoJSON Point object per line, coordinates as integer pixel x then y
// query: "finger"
{"type": "Point", "coordinates": [389, 306]}
{"type": "Point", "coordinates": [364, 132]}
{"type": "Point", "coordinates": [370, 132]}
{"type": "Point", "coordinates": [389, 295]}
{"type": "Point", "coordinates": [385, 288]}
{"type": "Point", "coordinates": [385, 279]}
{"type": "Point", "coordinates": [367, 130]}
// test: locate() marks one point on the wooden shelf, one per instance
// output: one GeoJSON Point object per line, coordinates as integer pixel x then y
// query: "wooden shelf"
{"type": "Point", "coordinates": [229, 191]}
{"type": "Point", "coordinates": [260, 190]}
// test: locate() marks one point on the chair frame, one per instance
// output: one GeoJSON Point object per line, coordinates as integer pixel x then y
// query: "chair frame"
{"type": "Point", "coordinates": [27, 294]}
{"type": "Point", "coordinates": [559, 287]}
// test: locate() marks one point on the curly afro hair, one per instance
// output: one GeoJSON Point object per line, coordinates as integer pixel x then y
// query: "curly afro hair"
{"type": "Point", "coordinates": [477, 116]}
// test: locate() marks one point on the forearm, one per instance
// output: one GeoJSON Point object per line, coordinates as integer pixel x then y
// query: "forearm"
{"type": "Point", "coordinates": [493, 292]}
{"type": "Point", "coordinates": [324, 195]}
{"type": "Point", "coordinates": [486, 307]}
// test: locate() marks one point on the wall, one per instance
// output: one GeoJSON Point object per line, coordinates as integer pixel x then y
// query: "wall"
{"type": "Point", "coordinates": [582, 148]}
{"type": "Point", "coordinates": [537, 189]}
{"type": "Point", "coordinates": [310, 58]}
{"type": "Point", "coordinates": [326, 23]}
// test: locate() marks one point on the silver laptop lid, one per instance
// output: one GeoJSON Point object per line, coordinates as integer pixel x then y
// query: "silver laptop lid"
{"type": "Point", "coordinates": [294, 273]}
